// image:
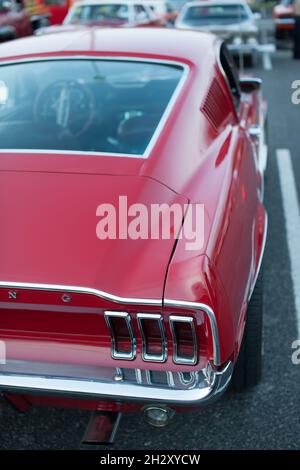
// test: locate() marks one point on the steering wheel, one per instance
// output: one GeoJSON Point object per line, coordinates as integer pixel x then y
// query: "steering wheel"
{"type": "Point", "coordinates": [66, 103]}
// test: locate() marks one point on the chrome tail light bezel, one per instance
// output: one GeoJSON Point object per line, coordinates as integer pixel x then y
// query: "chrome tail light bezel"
{"type": "Point", "coordinates": [167, 341]}
{"type": "Point", "coordinates": [128, 356]}
{"type": "Point", "coordinates": [177, 359]}
{"type": "Point", "coordinates": [146, 356]}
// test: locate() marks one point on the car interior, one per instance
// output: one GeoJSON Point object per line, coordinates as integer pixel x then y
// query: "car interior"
{"type": "Point", "coordinates": [113, 110]}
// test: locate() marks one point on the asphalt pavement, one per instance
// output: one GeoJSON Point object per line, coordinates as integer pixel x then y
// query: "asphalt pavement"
{"type": "Point", "coordinates": [267, 417]}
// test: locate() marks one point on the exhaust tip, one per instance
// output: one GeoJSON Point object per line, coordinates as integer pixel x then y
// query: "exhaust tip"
{"type": "Point", "coordinates": [158, 416]}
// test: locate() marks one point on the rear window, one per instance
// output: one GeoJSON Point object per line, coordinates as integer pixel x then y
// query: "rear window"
{"type": "Point", "coordinates": [106, 106]}
{"type": "Point", "coordinates": [215, 14]}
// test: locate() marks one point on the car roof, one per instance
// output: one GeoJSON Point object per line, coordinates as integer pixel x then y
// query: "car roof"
{"type": "Point", "coordinates": [161, 43]}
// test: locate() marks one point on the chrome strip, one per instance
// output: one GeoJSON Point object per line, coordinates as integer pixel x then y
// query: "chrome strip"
{"type": "Point", "coordinates": [98, 57]}
{"type": "Point", "coordinates": [164, 343]}
{"type": "Point", "coordinates": [170, 379]}
{"type": "Point", "coordinates": [126, 301]}
{"type": "Point", "coordinates": [81, 290]}
{"type": "Point", "coordinates": [129, 356]}
{"type": "Point", "coordinates": [218, 46]}
{"type": "Point", "coordinates": [202, 393]}
{"type": "Point", "coordinates": [257, 82]}
{"type": "Point", "coordinates": [138, 376]}
{"type": "Point", "coordinates": [211, 317]}
{"type": "Point", "coordinates": [177, 359]}
{"type": "Point", "coordinates": [260, 258]}
{"type": "Point", "coordinates": [285, 21]}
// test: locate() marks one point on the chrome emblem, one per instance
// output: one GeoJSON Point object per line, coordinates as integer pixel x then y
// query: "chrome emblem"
{"type": "Point", "coordinates": [12, 295]}
{"type": "Point", "coordinates": [66, 298]}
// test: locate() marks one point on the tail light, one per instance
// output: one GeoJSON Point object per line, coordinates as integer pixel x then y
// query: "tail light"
{"type": "Point", "coordinates": [184, 339]}
{"type": "Point", "coordinates": [154, 340]}
{"type": "Point", "coordinates": [122, 336]}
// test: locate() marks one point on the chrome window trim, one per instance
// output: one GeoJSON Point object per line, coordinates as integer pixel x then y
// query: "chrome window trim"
{"type": "Point", "coordinates": [176, 358]}
{"type": "Point", "coordinates": [115, 354]}
{"type": "Point", "coordinates": [164, 343]}
{"type": "Point", "coordinates": [219, 44]}
{"type": "Point", "coordinates": [185, 71]}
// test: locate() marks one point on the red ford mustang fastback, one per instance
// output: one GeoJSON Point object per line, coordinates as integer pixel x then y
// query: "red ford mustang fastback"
{"type": "Point", "coordinates": [94, 316]}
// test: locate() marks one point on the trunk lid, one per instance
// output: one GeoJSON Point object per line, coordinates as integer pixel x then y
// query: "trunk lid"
{"type": "Point", "coordinates": [48, 233]}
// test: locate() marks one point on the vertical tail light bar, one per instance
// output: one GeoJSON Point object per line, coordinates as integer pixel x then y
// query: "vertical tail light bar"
{"type": "Point", "coordinates": [122, 335]}
{"type": "Point", "coordinates": [154, 340]}
{"type": "Point", "coordinates": [185, 346]}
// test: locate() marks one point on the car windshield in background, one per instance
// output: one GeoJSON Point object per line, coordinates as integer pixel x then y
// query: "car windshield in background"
{"type": "Point", "coordinates": [98, 14]}
{"type": "Point", "coordinates": [106, 106]}
{"type": "Point", "coordinates": [215, 14]}
{"type": "Point", "coordinates": [286, 3]}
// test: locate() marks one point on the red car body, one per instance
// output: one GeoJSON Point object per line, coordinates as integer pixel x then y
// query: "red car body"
{"type": "Point", "coordinates": [54, 11]}
{"type": "Point", "coordinates": [58, 11]}
{"type": "Point", "coordinates": [59, 283]}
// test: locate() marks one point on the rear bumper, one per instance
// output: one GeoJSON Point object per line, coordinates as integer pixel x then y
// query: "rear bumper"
{"type": "Point", "coordinates": [78, 378]}
{"type": "Point", "coordinates": [122, 385]}
{"type": "Point", "coordinates": [247, 49]}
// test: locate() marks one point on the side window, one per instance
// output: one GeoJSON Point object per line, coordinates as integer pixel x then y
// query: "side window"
{"type": "Point", "coordinates": [231, 73]}
{"type": "Point", "coordinates": [77, 14]}
{"type": "Point", "coordinates": [140, 13]}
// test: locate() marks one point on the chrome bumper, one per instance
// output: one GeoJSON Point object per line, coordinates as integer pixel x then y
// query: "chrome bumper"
{"type": "Point", "coordinates": [177, 388]}
{"type": "Point", "coordinates": [251, 48]}
{"type": "Point", "coordinates": [285, 21]}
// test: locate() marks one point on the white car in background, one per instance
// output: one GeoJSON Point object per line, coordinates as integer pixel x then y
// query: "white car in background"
{"type": "Point", "coordinates": [165, 10]}
{"type": "Point", "coordinates": [105, 14]}
{"type": "Point", "coordinates": [233, 20]}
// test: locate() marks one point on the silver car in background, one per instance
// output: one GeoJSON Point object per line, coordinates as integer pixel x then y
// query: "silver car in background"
{"type": "Point", "coordinates": [233, 20]}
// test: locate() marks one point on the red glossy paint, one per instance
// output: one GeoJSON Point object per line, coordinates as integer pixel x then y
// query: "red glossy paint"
{"type": "Point", "coordinates": [52, 10]}
{"type": "Point", "coordinates": [58, 11]}
{"type": "Point", "coordinates": [48, 205]}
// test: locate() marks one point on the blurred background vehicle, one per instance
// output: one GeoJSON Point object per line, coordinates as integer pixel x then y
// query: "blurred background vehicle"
{"type": "Point", "coordinates": [165, 10]}
{"type": "Point", "coordinates": [284, 18]}
{"type": "Point", "coordinates": [114, 13]}
{"type": "Point", "coordinates": [47, 12]}
{"type": "Point", "coordinates": [178, 4]}
{"type": "Point", "coordinates": [233, 20]}
{"type": "Point", "coordinates": [14, 20]}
